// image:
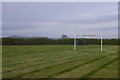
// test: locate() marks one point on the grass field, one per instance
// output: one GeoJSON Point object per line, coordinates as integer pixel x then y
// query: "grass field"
{"type": "Point", "coordinates": [60, 61]}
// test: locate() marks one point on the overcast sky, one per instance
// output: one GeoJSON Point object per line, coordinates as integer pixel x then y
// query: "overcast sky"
{"type": "Point", "coordinates": [52, 19]}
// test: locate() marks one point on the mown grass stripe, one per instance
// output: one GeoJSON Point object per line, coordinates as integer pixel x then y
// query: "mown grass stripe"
{"type": "Point", "coordinates": [30, 49]}
{"type": "Point", "coordinates": [50, 61]}
{"type": "Point", "coordinates": [79, 65]}
{"type": "Point", "coordinates": [26, 60]}
{"type": "Point", "coordinates": [61, 64]}
{"type": "Point", "coordinates": [99, 68]}
{"type": "Point", "coordinates": [71, 60]}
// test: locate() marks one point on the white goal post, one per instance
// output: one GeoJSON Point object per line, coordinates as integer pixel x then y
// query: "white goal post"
{"type": "Point", "coordinates": [89, 35]}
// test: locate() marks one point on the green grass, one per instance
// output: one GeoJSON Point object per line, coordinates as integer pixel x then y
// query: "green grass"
{"type": "Point", "coordinates": [60, 61]}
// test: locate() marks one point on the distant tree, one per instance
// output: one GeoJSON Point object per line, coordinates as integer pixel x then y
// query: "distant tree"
{"type": "Point", "coordinates": [64, 36]}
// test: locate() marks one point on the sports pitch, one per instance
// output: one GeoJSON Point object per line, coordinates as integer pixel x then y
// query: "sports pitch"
{"type": "Point", "coordinates": [60, 61]}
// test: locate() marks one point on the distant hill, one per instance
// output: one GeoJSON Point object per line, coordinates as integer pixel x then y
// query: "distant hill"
{"type": "Point", "coordinates": [17, 36]}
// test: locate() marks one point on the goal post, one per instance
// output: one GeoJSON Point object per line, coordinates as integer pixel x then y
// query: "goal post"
{"type": "Point", "coordinates": [89, 35]}
{"type": "Point", "coordinates": [74, 44]}
{"type": "Point", "coordinates": [75, 38]}
{"type": "Point", "coordinates": [101, 39]}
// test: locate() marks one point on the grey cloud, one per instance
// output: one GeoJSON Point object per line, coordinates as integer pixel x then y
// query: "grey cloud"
{"type": "Point", "coordinates": [55, 19]}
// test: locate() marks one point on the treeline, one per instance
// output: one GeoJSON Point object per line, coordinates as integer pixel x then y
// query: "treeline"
{"type": "Point", "coordinates": [35, 41]}
{"type": "Point", "coordinates": [49, 41]}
